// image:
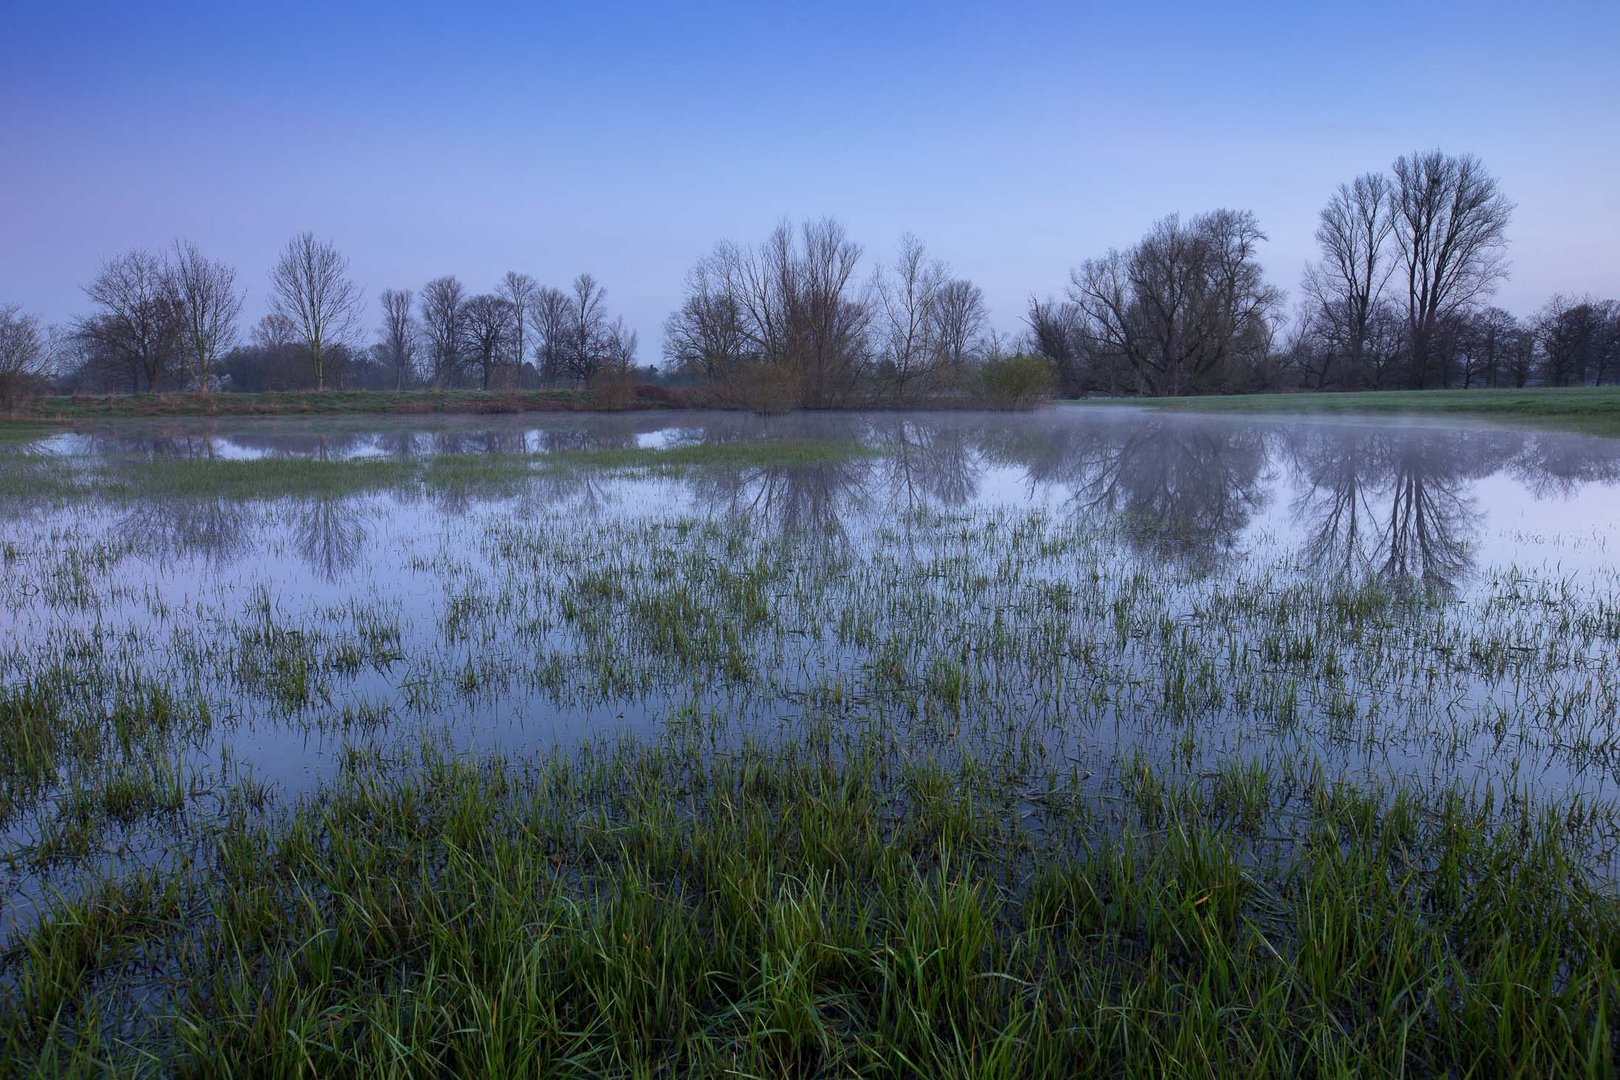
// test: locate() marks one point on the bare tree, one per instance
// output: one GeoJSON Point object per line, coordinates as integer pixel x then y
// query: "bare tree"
{"type": "Point", "coordinates": [585, 340]}
{"type": "Point", "coordinates": [787, 310]}
{"type": "Point", "coordinates": [619, 347]}
{"type": "Point", "coordinates": [548, 326]}
{"type": "Point", "coordinates": [208, 306]}
{"type": "Point", "coordinates": [905, 314]}
{"type": "Point", "coordinates": [137, 323]}
{"type": "Point", "coordinates": [707, 335]}
{"type": "Point", "coordinates": [1344, 289]}
{"type": "Point", "coordinates": [958, 319]}
{"type": "Point", "coordinates": [1450, 235]}
{"type": "Point", "coordinates": [28, 353]}
{"type": "Point", "coordinates": [442, 306]}
{"type": "Point", "coordinates": [274, 332]}
{"type": "Point", "coordinates": [1188, 309]}
{"type": "Point", "coordinates": [311, 289]}
{"type": "Point", "coordinates": [1573, 339]}
{"type": "Point", "coordinates": [801, 311]}
{"type": "Point", "coordinates": [488, 322]}
{"type": "Point", "coordinates": [1055, 332]}
{"type": "Point", "coordinates": [400, 337]}
{"type": "Point", "coordinates": [1490, 341]}
{"type": "Point", "coordinates": [521, 291]}
{"type": "Point", "coordinates": [827, 323]}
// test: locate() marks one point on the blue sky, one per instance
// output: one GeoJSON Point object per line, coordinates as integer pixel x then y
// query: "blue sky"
{"type": "Point", "coordinates": [625, 139]}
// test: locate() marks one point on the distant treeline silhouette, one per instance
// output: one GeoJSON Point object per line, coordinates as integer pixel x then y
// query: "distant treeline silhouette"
{"type": "Point", "coordinates": [1399, 298]}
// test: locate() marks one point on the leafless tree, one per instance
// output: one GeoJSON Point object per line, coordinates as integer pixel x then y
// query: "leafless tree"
{"type": "Point", "coordinates": [208, 306]}
{"type": "Point", "coordinates": [1188, 308]}
{"type": "Point", "coordinates": [707, 335]}
{"type": "Point", "coordinates": [1055, 332]}
{"type": "Point", "coordinates": [274, 332]}
{"type": "Point", "coordinates": [28, 353]}
{"type": "Point", "coordinates": [137, 324]}
{"type": "Point", "coordinates": [443, 331]}
{"type": "Point", "coordinates": [548, 326]}
{"type": "Point", "coordinates": [789, 305]}
{"type": "Point", "coordinates": [1344, 289]}
{"type": "Point", "coordinates": [521, 291]}
{"type": "Point", "coordinates": [1490, 342]}
{"type": "Point", "coordinates": [619, 346]}
{"type": "Point", "coordinates": [1573, 337]}
{"type": "Point", "coordinates": [1450, 237]}
{"type": "Point", "coordinates": [958, 319]}
{"type": "Point", "coordinates": [310, 288]}
{"type": "Point", "coordinates": [905, 299]}
{"type": "Point", "coordinates": [826, 320]}
{"type": "Point", "coordinates": [400, 337]}
{"type": "Point", "coordinates": [585, 341]}
{"type": "Point", "coordinates": [488, 322]}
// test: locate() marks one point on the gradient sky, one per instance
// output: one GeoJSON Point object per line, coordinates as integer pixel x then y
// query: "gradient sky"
{"type": "Point", "coordinates": [1015, 139]}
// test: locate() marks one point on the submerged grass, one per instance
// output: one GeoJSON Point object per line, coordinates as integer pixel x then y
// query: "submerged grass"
{"type": "Point", "coordinates": [825, 909]}
{"type": "Point", "coordinates": [1595, 410]}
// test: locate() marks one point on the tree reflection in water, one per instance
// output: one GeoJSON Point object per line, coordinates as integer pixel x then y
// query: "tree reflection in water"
{"type": "Point", "coordinates": [1393, 502]}
{"type": "Point", "coordinates": [328, 533]}
{"type": "Point", "coordinates": [1369, 501]}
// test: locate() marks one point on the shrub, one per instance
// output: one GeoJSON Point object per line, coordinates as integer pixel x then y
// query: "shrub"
{"type": "Point", "coordinates": [763, 388]}
{"type": "Point", "coordinates": [1016, 382]}
{"type": "Point", "coordinates": [612, 389]}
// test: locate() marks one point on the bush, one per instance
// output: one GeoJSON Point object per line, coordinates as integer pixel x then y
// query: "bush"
{"type": "Point", "coordinates": [1017, 382]}
{"type": "Point", "coordinates": [611, 389]}
{"type": "Point", "coordinates": [763, 388]}
{"type": "Point", "coordinates": [675, 397]}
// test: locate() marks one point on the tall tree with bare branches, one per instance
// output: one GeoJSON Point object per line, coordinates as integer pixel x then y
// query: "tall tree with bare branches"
{"type": "Point", "coordinates": [488, 322]}
{"type": "Point", "coordinates": [1188, 309]}
{"type": "Point", "coordinates": [548, 328]}
{"type": "Point", "coordinates": [136, 325]}
{"type": "Point", "coordinates": [1450, 235]}
{"type": "Point", "coordinates": [310, 288]}
{"type": "Point", "coordinates": [520, 291]}
{"type": "Point", "coordinates": [905, 298]}
{"type": "Point", "coordinates": [789, 305]}
{"type": "Point", "coordinates": [1055, 331]}
{"type": "Point", "coordinates": [400, 337]}
{"type": "Point", "coordinates": [1343, 289]}
{"type": "Point", "coordinates": [585, 340]}
{"type": "Point", "coordinates": [208, 306]}
{"type": "Point", "coordinates": [958, 317]}
{"type": "Point", "coordinates": [442, 306]}
{"type": "Point", "coordinates": [707, 335]}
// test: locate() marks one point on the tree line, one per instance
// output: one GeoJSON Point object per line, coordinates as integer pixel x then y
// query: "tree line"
{"type": "Point", "coordinates": [1398, 297]}
{"type": "Point", "coordinates": [169, 321]}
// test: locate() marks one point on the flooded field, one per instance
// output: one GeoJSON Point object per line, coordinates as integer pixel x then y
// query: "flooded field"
{"type": "Point", "coordinates": [1159, 653]}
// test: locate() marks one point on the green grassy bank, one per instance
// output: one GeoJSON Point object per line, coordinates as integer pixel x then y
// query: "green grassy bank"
{"type": "Point", "coordinates": [1591, 409]}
